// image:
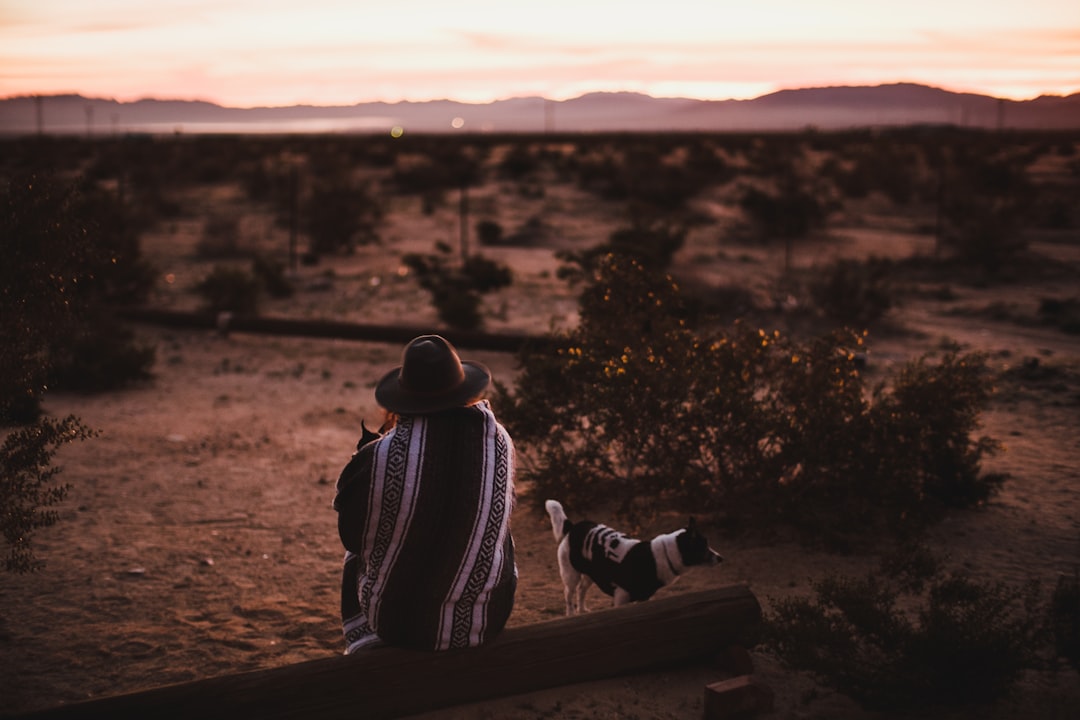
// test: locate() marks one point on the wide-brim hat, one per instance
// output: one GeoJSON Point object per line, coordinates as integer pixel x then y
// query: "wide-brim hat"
{"type": "Point", "coordinates": [431, 377]}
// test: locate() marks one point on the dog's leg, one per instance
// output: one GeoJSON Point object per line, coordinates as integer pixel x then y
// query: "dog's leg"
{"type": "Point", "coordinates": [621, 597]}
{"type": "Point", "coordinates": [571, 578]}
{"type": "Point", "coordinates": [583, 587]}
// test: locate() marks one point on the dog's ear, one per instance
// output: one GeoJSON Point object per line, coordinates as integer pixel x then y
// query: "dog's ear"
{"type": "Point", "coordinates": [692, 525]}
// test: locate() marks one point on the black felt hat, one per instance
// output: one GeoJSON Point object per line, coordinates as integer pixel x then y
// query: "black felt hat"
{"type": "Point", "coordinates": [431, 377]}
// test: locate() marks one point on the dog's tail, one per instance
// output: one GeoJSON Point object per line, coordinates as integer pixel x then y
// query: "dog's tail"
{"type": "Point", "coordinates": [559, 523]}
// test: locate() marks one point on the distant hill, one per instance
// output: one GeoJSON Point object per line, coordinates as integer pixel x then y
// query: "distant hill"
{"type": "Point", "coordinates": [829, 108]}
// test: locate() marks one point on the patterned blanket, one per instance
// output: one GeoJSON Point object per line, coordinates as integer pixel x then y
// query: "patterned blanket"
{"type": "Point", "coordinates": [424, 515]}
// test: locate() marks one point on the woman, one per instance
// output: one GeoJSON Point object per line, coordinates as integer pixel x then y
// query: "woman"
{"type": "Point", "coordinates": [424, 511]}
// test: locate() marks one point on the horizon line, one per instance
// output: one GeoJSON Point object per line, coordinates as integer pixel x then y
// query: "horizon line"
{"type": "Point", "coordinates": [151, 98]}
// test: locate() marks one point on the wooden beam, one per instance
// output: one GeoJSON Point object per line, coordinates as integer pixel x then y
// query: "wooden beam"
{"type": "Point", "coordinates": [390, 682]}
{"type": "Point", "coordinates": [228, 322]}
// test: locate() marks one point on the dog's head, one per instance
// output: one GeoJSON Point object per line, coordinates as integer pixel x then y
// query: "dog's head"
{"type": "Point", "coordinates": [694, 547]}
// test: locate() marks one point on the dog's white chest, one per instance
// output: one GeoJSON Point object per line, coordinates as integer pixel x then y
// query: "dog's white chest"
{"type": "Point", "coordinates": [611, 543]}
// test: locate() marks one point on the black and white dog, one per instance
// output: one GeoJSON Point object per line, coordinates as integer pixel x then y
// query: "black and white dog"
{"type": "Point", "coordinates": [628, 569]}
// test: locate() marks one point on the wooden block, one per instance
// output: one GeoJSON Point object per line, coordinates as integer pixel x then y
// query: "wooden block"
{"type": "Point", "coordinates": [735, 660]}
{"type": "Point", "coordinates": [739, 697]}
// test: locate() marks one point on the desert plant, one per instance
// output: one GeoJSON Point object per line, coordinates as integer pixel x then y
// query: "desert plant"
{"type": "Point", "coordinates": [220, 238]}
{"type": "Point", "coordinates": [489, 232]}
{"type": "Point", "coordinates": [27, 485]}
{"type": "Point", "coordinates": [984, 200]}
{"type": "Point", "coordinates": [906, 636]}
{"type": "Point", "coordinates": [791, 212]}
{"type": "Point", "coordinates": [229, 289]}
{"type": "Point", "coordinates": [271, 276]}
{"type": "Point", "coordinates": [341, 214]}
{"type": "Point", "coordinates": [852, 293]}
{"type": "Point", "coordinates": [70, 255]}
{"type": "Point", "coordinates": [456, 289]}
{"type": "Point", "coordinates": [640, 403]}
{"type": "Point", "coordinates": [100, 354]}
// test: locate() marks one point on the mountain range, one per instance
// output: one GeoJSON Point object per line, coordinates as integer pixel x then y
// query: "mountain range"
{"type": "Point", "coordinates": [826, 108]}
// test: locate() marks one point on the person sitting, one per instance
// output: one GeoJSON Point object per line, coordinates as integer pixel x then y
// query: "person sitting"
{"type": "Point", "coordinates": [424, 510]}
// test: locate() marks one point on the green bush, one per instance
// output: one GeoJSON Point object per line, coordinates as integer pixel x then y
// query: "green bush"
{"type": "Point", "coordinates": [27, 487]}
{"type": "Point", "coordinates": [904, 637]}
{"type": "Point", "coordinates": [753, 428]}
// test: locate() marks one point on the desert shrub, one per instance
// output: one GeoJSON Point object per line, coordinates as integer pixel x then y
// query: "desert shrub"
{"type": "Point", "coordinates": [70, 255]}
{"type": "Point", "coordinates": [936, 439]}
{"type": "Point", "coordinates": [1063, 313]}
{"type": "Point", "coordinates": [1065, 618]}
{"type": "Point", "coordinates": [220, 238]}
{"type": "Point", "coordinates": [99, 355]}
{"type": "Point", "coordinates": [907, 637]}
{"type": "Point", "coordinates": [655, 244]}
{"type": "Point", "coordinates": [791, 212]}
{"type": "Point", "coordinates": [983, 204]}
{"type": "Point", "coordinates": [852, 293]}
{"type": "Point", "coordinates": [456, 289]}
{"type": "Point", "coordinates": [489, 232]}
{"type": "Point", "coordinates": [229, 289]}
{"type": "Point", "coordinates": [27, 485]}
{"type": "Point", "coordinates": [271, 276]}
{"type": "Point", "coordinates": [341, 214]}
{"type": "Point", "coordinates": [879, 165]}
{"type": "Point", "coordinates": [749, 426]}
{"type": "Point", "coordinates": [652, 244]}
{"type": "Point", "coordinates": [520, 162]}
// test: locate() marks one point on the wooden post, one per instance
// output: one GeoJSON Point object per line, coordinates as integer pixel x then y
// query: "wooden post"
{"type": "Point", "coordinates": [390, 682]}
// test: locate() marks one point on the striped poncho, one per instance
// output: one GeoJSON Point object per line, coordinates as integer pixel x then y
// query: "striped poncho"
{"type": "Point", "coordinates": [424, 515]}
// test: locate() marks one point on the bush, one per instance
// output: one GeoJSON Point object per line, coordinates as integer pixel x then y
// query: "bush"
{"type": "Point", "coordinates": [983, 203]}
{"type": "Point", "coordinates": [70, 255]}
{"type": "Point", "coordinates": [901, 640]}
{"type": "Point", "coordinates": [100, 355]}
{"type": "Point", "coordinates": [27, 489]}
{"type": "Point", "coordinates": [790, 213]}
{"type": "Point", "coordinates": [228, 289]}
{"type": "Point", "coordinates": [271, 276]}
{"type": "Point", "coordinates": [852, 293]}
{"type": "Point", "coordinates": [489, 232]}
{"type": "Point", "coordinates": [221, 238]}
{"type": "Point", "coordinates": [456, 291]}
{"type": "Point", "coordinates": [341, 214]}
{"type": "Point", "coordinates": [748, 426]}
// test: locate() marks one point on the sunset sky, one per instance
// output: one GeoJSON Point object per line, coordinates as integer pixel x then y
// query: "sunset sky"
{"type": "Point", "coordinates": [245, 53]}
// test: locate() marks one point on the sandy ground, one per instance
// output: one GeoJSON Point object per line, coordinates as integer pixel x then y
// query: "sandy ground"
{"type": "Point", "coordinates": [198, 537]}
